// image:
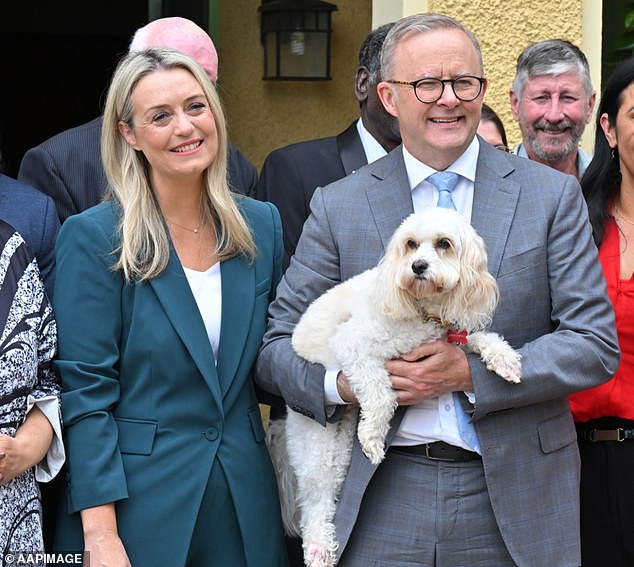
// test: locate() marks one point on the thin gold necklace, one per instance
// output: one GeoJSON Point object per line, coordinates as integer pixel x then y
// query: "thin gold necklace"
{"type": "Point", "coordinates": [194, 230]}
{"type": "Point", "coordinates": [619, 215]}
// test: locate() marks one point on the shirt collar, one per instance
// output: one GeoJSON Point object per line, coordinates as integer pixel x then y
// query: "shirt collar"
{"type": "Point", "coordinates": [464, 166]}
{"type": "Point", "coordinates": [373, 150]}
{"type": "Point", "coordinates": [583, 159]}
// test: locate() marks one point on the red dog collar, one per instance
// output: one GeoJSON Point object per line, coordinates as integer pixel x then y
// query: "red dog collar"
{"type": "Point", "coordinates": [458, 337]}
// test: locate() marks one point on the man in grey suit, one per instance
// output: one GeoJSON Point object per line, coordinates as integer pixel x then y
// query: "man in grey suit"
{"type": "Point", "coordinates": [511, 499]}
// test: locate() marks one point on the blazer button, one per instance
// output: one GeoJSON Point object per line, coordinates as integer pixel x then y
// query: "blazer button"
{"type": "Point", "coordinates": [211, 434]}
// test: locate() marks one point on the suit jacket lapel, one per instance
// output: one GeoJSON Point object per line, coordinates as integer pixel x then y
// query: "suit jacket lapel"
{"type": "Point", "coordinates": [238, 297]}
{"type": "Point", "coordinates": [351, 149]}
{"type": "Point", "coordinates": [390, 198]}
{"type": "Point", "coordinates": [494, 202]}
{"type": "Point", "coordinates": [175, 296]}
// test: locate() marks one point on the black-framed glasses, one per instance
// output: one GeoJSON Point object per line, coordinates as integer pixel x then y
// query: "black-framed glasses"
{"type": "Point", "coordinates": [466, 88]}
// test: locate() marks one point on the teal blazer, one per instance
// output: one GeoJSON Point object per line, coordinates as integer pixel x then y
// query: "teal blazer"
{"type": "Point", "coordinates": [147, 409]}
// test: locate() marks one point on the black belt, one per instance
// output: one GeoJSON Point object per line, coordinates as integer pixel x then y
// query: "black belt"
{"type": "Point", "coordinates": [438, 451]}
{"type": "Point", "coordinates": [619, 434]}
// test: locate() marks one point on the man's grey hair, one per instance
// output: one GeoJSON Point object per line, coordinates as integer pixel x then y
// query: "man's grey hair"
{"type": "Point", "coordinates": [420, 23]}
{"type": "Point", "coordinates": [551, 57]}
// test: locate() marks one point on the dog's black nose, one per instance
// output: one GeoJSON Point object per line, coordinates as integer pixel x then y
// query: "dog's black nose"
{"type": "Point", "coordinates": [419, 266]}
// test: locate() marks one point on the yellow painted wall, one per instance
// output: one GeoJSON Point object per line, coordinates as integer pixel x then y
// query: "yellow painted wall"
{"type": "Point", "coordinates": [504, 28]}
{"type": "Point", "coordinates": [264, 115]}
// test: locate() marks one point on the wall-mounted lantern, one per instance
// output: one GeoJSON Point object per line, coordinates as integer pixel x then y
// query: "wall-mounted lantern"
{"type": "Point", "coordinates": [296, 39]}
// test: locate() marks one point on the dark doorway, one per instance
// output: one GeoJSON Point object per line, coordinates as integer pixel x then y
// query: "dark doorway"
{"type": "Point", "coordinates": [617, 41]}
{"type": "Point", "coordinates": [57, 58]}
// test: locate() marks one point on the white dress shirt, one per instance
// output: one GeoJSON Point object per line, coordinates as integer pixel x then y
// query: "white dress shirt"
{"type": "Point", "coordinates": [373, 150]}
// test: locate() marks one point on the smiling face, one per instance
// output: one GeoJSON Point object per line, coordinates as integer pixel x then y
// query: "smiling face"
{"type": "Point", "coordinates": [172, 125]}
{"type": "Point", "coordinates": [552, 112]}
{"type": "Point", "coordinates": [435, 133]}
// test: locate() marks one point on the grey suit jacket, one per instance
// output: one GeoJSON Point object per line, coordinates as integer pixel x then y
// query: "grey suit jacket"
{"type": "Point", "coordinates": [553, 308]}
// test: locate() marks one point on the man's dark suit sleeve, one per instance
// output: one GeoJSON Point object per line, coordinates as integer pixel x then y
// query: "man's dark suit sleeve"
{"type": "Point", "coordinates": [39, 170]}
{"type": "Point", "coordinates": [243, 176]}
{"type": "Point", "coordinates": [281, 183]}
{"type": "Point", "coordinates": [46, 257]}
{"type": "Point", "coordinates": [68, 168]}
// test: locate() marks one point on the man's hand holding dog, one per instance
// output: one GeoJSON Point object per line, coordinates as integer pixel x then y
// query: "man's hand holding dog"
{"type": "Point", "coordinates": [429, 370]}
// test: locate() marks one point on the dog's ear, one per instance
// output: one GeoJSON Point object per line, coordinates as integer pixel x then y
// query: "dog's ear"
{"type": "Point", "coordinates": [390, 297]}
{"type": "Point", "coordinates": [474, 299]}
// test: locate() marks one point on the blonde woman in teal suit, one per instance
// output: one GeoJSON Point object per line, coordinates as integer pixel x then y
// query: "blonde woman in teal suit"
{"type": "Point", "coordinates": [161, 295]}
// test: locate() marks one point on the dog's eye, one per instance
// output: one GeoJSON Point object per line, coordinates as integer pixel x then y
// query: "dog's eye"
{"type": "Point", "coordinates": [443, 243]}
{"type": "Point", "coordinates": [412, 244]}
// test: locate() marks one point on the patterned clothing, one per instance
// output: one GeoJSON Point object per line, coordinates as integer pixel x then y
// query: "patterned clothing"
{"type": "Point", "coordinates": [28, 339]}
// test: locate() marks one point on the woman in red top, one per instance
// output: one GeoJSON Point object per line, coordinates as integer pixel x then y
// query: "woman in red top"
{"type": "Point", "coordinates": [605, 414]}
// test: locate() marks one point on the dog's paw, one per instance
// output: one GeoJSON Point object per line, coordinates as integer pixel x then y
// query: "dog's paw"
{"type": "Point", "coordinates": [317, 556]}
{"type": "Point", "coordinates": [375, 454]}
{"type": "Point", "coordinates": [508, 366]}
{"type": "Point", "coordinates": [373, 449]}
{"type": "Point", "coordinates": [372, 439]}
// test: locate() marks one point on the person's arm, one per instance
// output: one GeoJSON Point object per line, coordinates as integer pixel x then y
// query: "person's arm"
{"type": "Point", "coordinates": [243, 175]}
{"type": "Point", "coordinates": [279, 370]}
{"type": "Point", "coordinates": [88, 359]}
{"type": "Point", "coordinates": [46, 255]}
{"type": "Point", "coordinates": [554, 307]}
{"type": "Point", "coordinates": [39, 170]}
{"type": "Point", "coordinates": [101, 538]}
{"type": "Point", "coordinates": [281, 183]}
{"type": "Point", "coordinates": [46, 394]}
{"type": "Point", "coordinates": [29, 446]}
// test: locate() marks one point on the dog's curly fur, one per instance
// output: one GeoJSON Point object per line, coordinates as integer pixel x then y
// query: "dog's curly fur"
{"type": "Point", "coordinates": [432, 277]}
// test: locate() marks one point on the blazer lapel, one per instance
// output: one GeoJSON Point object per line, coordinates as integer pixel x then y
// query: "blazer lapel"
{"type": "Point", "coordinates": [390, 198]}
{"type": "Point", "coordinates": [494, 202]}
{"type": "Point", "coordinates": [238, 297]}
{"type": "Point", "coordinates": [351, 149]}
{"type": "Point", "coordinates": [175, 296]}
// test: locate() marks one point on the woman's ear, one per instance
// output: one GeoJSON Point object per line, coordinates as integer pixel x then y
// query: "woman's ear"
{"type": "Point", "coordinates": [127, 134]}
{"type": "Point", "coordinates": [608, 130]}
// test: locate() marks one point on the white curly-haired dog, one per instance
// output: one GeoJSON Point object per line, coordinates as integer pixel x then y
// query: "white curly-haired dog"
{"type": "Point", "coordinates": [432, 278]}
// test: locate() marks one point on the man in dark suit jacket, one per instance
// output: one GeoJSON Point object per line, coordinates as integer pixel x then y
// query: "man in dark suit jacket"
{"type": "Point", "coordinates": [68, 166]}
{"type": "Point", "coordinates": [33, 215]}
{"type": "Point", "coordinates": [290, 174]}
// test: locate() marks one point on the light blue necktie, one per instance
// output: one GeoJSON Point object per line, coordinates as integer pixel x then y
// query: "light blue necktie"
{"type": "Point", "coordinates": [445, 182]}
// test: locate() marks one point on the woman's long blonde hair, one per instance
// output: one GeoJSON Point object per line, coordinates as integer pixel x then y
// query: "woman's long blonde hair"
{"type": "Point", "coordinates": [144, 250]}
